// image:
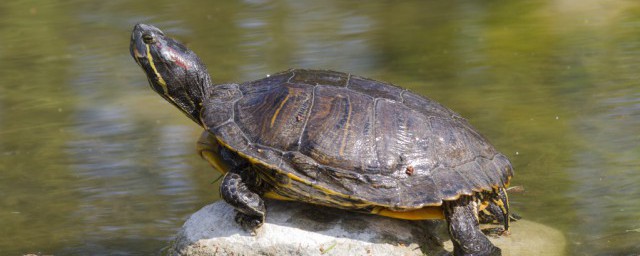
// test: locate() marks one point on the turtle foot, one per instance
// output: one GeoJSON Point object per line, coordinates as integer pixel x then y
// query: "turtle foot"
{"type": "Point", "coordinates": [249, 223]}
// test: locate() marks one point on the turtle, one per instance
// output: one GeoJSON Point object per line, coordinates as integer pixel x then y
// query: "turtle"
{"type": "Point", "coordinates": [333, 139]}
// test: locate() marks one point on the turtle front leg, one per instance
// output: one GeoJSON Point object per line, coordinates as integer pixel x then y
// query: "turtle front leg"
{"type": "Point", "coordinates": [464, 228]}
{"type": "Point", "coordinates": [248, 204]}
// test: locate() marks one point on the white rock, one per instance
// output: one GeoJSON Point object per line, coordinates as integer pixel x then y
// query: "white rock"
{"type": "Point", "coordinates": [302, 229]}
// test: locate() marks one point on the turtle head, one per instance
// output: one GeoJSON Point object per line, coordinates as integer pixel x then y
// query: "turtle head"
{"type": "Point", "coordinates": [173, 71]}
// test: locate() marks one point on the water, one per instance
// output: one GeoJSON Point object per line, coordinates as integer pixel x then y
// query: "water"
{"type": "Point", "coordinates": [93, 162]}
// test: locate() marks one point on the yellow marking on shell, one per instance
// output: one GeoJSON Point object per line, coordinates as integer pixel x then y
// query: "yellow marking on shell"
{"type": "Point", "coordinates": [425, 213]}
{"type": "Point", "coordinates": [276, 196]}
{"type": "Point", "coordinates": [161, 81]}
{"type": "Point", "coordinates": [343, 143]}
{"type": "Point", "coordinates": [275, 115]}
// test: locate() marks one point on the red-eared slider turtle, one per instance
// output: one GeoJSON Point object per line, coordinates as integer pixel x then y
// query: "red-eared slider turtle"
{"type": "Point", "coordinates": [332, 139]}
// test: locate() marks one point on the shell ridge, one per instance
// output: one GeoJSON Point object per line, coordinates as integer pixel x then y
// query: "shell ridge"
{"type": "Point", "coordinates": [306, 119]}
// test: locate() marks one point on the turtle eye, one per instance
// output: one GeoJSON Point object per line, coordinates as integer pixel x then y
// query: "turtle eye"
{"type": "Point", "coordinates": [148, 39]}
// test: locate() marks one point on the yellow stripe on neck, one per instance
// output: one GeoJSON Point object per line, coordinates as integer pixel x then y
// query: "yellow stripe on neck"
{"type": "Point", "coordinates": [161, 81]}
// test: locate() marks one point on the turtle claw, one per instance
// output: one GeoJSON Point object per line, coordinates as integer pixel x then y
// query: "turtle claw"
{"type": "Point", "coordinates": [249, 223]}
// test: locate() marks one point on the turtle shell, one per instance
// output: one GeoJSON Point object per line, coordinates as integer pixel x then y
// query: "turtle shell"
{"type": "Point", "coordinates": [346, 141]}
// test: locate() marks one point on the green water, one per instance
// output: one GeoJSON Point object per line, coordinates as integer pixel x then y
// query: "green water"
{"type": "Point", "coordinates": [93, 162]}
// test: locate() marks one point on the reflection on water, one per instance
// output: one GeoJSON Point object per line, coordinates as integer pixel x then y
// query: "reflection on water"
{"type": "Point", "coordinates": [124, 192]}
{"type": "Point", "coordinates": [92, 161]}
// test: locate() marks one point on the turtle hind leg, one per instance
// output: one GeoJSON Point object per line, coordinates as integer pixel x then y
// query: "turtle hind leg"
{"type": "Point", "coordinates": [498, 212]}
{"type": "Point", "coordinates": [248, 204]}
{"type": "Point", "coordinates": [464, 228]}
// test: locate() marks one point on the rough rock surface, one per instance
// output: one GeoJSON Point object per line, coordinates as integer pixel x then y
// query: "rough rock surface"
{"type": "Point", "coordinates": [302, 229]}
